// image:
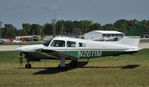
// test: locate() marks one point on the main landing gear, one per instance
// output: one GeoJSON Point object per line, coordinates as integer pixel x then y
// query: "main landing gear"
{"type": "Point", "coordinates": [62, 64]}
{"type": "Point", "coordinates": [28, 65]}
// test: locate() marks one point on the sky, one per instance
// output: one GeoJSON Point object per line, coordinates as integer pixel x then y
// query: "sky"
{"type": "Point", "coordinates": [17, 12]}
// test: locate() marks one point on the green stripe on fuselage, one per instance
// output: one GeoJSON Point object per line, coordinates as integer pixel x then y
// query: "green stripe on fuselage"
{"type": "Point", "coordinates": [77, 54]}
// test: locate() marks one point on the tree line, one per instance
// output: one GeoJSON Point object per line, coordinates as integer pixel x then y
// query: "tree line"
{"type": "Point", "coordinates": [68, 27]}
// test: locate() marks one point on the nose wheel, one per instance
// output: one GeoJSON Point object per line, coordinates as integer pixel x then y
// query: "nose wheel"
{"type": "Point", "coordinates": [28, 65]}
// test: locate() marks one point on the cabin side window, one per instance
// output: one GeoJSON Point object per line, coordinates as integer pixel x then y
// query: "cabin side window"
{"type": "Point", "coordinates": [71, 44]}
{"type": "Point", "coordinates": [104, 35]}
{"type": "Point", "coordinates": [58, 43]}
{"type": "Point", "coordinates": [82, 45]}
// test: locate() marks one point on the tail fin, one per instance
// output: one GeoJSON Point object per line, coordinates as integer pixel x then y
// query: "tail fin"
{"type": "Point", "coordinates": [132, 37]}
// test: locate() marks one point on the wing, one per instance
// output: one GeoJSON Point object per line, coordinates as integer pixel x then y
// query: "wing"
{"type": "Point", "coordinates": [52, 54]}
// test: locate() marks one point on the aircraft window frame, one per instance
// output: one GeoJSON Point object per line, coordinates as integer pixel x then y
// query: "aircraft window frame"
{"type": "Point", "coordinates": [82, 44]}
{"type": "Point", "coordinates": [54, 44]}
{"type": "Point", "coordinates": [72, 44]}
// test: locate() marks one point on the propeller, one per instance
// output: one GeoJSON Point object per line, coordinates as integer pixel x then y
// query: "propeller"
{"type": "Point", "coordinates": [21, 57]}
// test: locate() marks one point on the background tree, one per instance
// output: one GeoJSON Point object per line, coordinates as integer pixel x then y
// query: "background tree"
{"type": "Point", "coordinates": [121, 25]}
{"type": "Point", "coordinates": [94, 26]}
{"type": "Point", "coordinates": [36, 29]}
{"type": "Point", "coordinates": [9, 31]}
{"type": "Point", "coordinates": [47, 29]}
{"type": "Point", "coordinates": [69, 27]}
{"type": "Point", "coordinates": [108, 27]}
{"type": "Point", "coordinates": [60, 26]}
{"type": "Point", "coordinates": [146, 25]}
{"type": "Point", "coordinates": [26, 29]}
{"type": "Point", "coordinates": [19, 32]}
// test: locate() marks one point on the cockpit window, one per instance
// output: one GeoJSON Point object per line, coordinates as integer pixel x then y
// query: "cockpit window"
{"type": "Point", "coordinates": [58, 43]}
{"type": "Point", "coordinates": [47, 42]}
{"type": "Point", "coordinates": [82, 45]}
{"type": "Point", "coordinates": [71, 44]}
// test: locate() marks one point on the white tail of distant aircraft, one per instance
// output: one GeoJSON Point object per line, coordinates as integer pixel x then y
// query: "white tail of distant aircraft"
{"type": "Point", "coordinates": [64, 48]}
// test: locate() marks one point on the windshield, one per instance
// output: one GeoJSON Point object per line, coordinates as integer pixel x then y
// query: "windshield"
{"type": "Point", "coordinates": [47, 42]}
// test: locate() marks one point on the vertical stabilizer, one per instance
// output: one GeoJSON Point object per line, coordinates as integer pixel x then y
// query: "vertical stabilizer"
{"type": "Point", "coordinates": [132, 37]}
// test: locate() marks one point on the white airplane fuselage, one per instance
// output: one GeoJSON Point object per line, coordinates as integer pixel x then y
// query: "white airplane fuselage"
{"type": "Point", "coordinates": [90, 49]}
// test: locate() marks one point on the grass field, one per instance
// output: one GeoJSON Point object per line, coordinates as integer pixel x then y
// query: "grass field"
{"type": "Point", "coordinates": [121, 71]}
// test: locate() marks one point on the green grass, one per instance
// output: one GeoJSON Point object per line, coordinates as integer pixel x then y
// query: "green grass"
{"type": "Point", "coordinates": [99, 72]}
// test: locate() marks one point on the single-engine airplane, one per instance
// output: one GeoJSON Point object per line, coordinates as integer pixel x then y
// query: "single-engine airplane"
{"type": "Point", "coordinates": [65, 48]}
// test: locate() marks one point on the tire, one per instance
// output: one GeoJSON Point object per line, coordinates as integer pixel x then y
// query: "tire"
{"type": "Point", "coordinates": [28, 66]}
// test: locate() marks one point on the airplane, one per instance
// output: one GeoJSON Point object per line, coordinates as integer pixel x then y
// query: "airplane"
{"type": "Point", "coordinates": [66, 48]}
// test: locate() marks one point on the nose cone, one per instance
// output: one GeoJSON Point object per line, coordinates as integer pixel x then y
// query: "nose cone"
{"type": "Point", "coordinates": [24, 49]}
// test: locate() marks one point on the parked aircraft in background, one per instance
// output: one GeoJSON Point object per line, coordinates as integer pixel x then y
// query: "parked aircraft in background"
{"type": "Point", "coordinates": [6, 40]}
{"type": "Point", "coordinates": [10, 41]}
{"type": "Point", "coordinates": [65, 48]}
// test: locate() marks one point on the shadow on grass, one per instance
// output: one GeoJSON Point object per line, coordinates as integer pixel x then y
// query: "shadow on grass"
{"type": "Point", "coordinates": [108, 67]}
{"type": "Point", "coordinates": [54, 70]}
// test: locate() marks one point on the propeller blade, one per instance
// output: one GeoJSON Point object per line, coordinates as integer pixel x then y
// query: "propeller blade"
{"type": "Point", "coordinates": [21, 57]}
